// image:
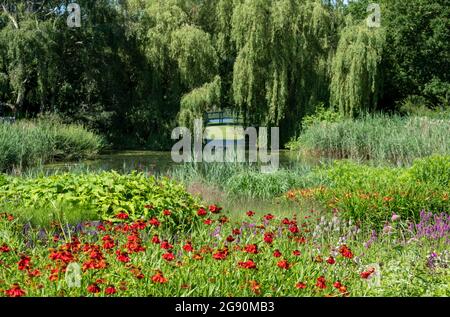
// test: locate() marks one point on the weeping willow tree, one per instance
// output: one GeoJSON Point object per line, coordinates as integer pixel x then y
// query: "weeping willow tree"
{"type": "Point", "coordinates": [194, 54]}
{"type": "Point", "coordinates": [356, 77]}
{"type": "Point", "coordinates": [283, 47]}
{"type": "Point", "coordinates": [223, 24]}
{"type": "Point", "coordinates": [27, 62]}
{"type": "Point", "coordinates": [199, 100]}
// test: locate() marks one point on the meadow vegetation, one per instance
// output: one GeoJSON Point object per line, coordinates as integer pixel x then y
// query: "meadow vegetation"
{"type": "Point", "coordinates": [28, 143]}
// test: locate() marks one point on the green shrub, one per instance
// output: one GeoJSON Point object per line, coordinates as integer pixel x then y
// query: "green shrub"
{"type": "Point", "coordinates": [107, 193]}
{"type": "Point", "coordinates": [434, 169]}
{"type": "Point", "coordinates": [321, 114]}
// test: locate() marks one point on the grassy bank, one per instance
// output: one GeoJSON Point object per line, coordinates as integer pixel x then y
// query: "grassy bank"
{"type": "Point", "coordinates": [357, 191]}
{"type": "Point", "coordinates": [382, 138]}
{"type": "Point", "coordinates": [29, 143]}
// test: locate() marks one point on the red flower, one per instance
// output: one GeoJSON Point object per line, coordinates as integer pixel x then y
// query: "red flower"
{"type": "Point", "coordinates": [53, 274]}
{"type": "Point", "coordinates": [15, 291]}
{"type": "Point", "coordinates": [236, 232]}
{"type": "Point", "coordinates": [110, 290]}
{"type": "Point", "coordinates": [223, 220]}
{"type": "Point", "coordinates": [122, 256]}
{"type": "Point", "coordinates": [101, 228]}
{"type": "Point", "coordinates": [346, 252]}
{"type": "Point", "coordinates": [168, 256]}
{"type": "Point", "coordinates": [293, 228]}
{"type": "Point", "coordinates": [214, 209]}
{"type": "Point", "coordinates": [331, 260]}
{"type": "Point", "coordinates": [24, 263]}
{"type": "Point", "coordinates": [221, 254]}
{"type": "Point", "coordinates": [343, 290]}
{"type": "Point", "coordinates": [296, 252]}
{"type": "Point", "coordinates": [4, 248]}
{"type": "Point", "coordinates": [247, 264]}
{"type": "Point", "coordinates": [99, 281]}
{"type": "Point", "coordinates": [34, 273]}
{"type": "Point", "coordinates": [140, 225]}
{"type": "Point", "coordinates": [122, 215]}
{"type": "Point", "coordinates": [63, 256]}
{"type": "Point", "coordinates": [93, 288]}
{"type": "Point", "coordinates": [230, 238]}
{"type": "Point", "coordinates": [250, 213]}
{"type": "Point", "coordinates": [108, 242]}
{"type": "Point", "coordinates": [201, 212]}
{"type": "Point", "coordinates": [134, 244]}
{"type": "Point", "coordinates": [188, 247]}
{"type": "Point", "coordinates": [148, 207]}
{"type": "Point", "coordinates": [154, 222]}
{"type": "Point", "coordinates": [268, 237]}
{"type": "Point", "coordinates": [283, 264]}
{"type": "Point", "coordinates": [155, 239]}
{"type": "Point", "coordinates": [321, 282]}
{"type": "Point", "coordinates": [368, 273]}
{"type": "Point", "coordinates": [166, 245]}
{"type": "Point", "coordinates": [159, 278]}
{"type": "Point", "coordinates": [207, 221]}
{"type": "Point", "coordinates": [277, 253]}
{"type": "Point", "coordinates": [251, 248]}
{"type": "Point", "coordinates": [337, 284]}
{"type": "Point", "coordinates": [286, 221]}
{"type": "Point", "coordinates": [269, 217]}
{"type": "Point", "coordinates": [167, 212]}
{"type": "Point", "coordinates": [300, 285]}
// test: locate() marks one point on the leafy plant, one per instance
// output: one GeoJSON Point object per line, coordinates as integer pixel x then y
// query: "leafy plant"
{"type": "Point", "coordinates": [108, 193]}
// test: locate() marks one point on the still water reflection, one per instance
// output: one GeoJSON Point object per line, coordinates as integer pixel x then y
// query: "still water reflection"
{"type": "Point", "coordinates": [154, 162]}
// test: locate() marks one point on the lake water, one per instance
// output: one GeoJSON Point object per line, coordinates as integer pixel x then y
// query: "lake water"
{"type": "Point", "coordinates": [154, 162]}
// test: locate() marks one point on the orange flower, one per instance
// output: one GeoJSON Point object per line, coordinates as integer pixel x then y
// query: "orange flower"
{"type": "Point", "coordinates": [159, 278]}
{"type": "Point", "coordinates": [255, 287]}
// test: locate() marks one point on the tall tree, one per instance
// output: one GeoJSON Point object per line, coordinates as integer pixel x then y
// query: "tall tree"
{"type": "Point", "coordinates": [356, 71]}
{"type": "Point", "coordinates": [282, 51]}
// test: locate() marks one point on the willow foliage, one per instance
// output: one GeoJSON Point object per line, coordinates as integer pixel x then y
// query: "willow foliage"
{"type": "Point", "coordinates": [199, 100]}
{"type": "Point", "coordinates": [282, 46]}
{"type": "Point", "coordinates": [355, 85]}
{"type": "Point", "coordinates": [223, 25]}
{"type": "Point", "coordinates": [195, 55]}
{"type": "Point", "coordinates": [164, 18]}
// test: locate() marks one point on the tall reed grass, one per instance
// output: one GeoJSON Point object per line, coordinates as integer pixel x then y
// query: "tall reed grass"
{"type": "Point", "coordinates": [395, 139]}
{"type": "Point", "coordinates": [244, 180]}
{"type": "Point", "coordinates": [33, 142]}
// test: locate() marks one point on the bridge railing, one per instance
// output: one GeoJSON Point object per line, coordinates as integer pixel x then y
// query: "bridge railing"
{"type": "Point", "coordinates": [223, 117]}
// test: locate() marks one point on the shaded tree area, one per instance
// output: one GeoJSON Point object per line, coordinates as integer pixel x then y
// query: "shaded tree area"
{"type": "Point", "coordinates": [137, 68]}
